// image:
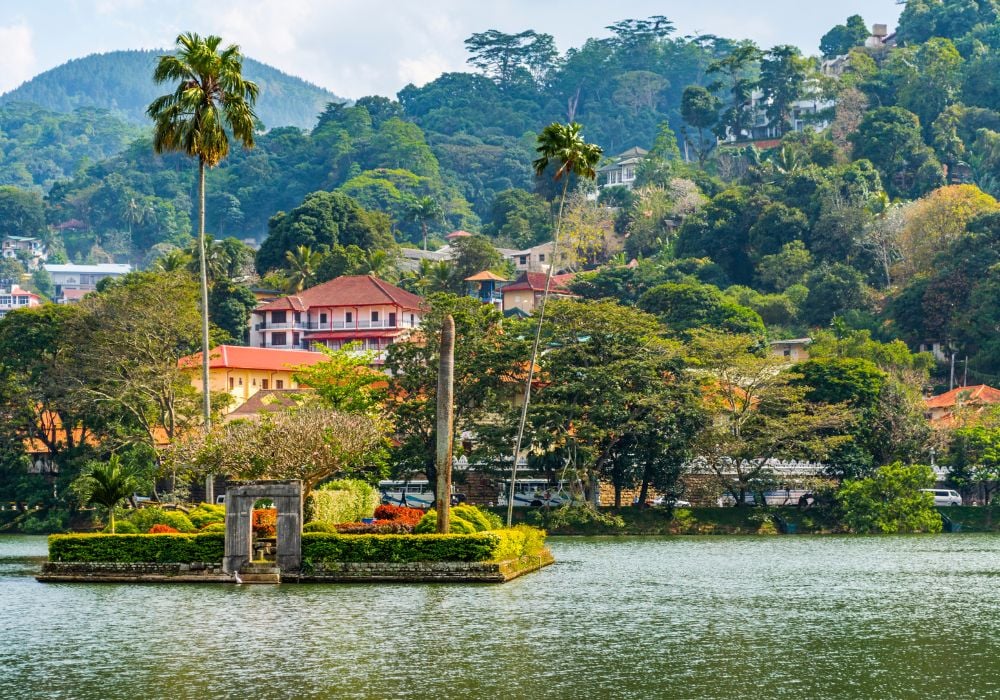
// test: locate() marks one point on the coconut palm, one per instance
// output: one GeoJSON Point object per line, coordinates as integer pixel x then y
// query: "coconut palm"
{"type": "Point", "coordinates": [302, 266]}
{"type": "Point", "coordinates": [210, 101]}
{"type": "Point", "coordinates": [424, 210]}
{"type": "Point", "coordinates": [172, 261]}
{"type": "Point", "coordinates": [379, 263]}
{"type": "Point", "coordinates": [563, 146]}
{"type": "Point", "coordinates": [106, 484]}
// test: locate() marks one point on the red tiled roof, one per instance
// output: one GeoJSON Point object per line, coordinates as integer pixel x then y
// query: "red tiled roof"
{"type": "Point", "coordinates": [535, 281]}
{"type": "Point", "coordinates": [240, 357]}
{"type": "Point", "coordinates": [349, 290]}
{"type": "Point", "coordinates": [458, 234]}
{"type": "Point", "coordinates": [75, 294]}
{"type": "Point", "coordinates": [978, 394]}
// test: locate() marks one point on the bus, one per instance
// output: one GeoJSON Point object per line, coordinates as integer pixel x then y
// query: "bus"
{"type": "Point", "coordinates": [415, 493]}
{"type": "Point", "coordinates": [535, 493]}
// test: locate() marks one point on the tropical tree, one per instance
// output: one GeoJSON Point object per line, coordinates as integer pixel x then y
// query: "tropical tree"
{"type": "Point", "coordinates": [211, 100]}
{"type": "Point", "coordinates": [424, 211]}
{"type": "Point", "coordinates": [106, 484]}
{"type": "Point", "coordinates": [562, 145]}
{"type": "Point", "coordinates": [302, 265]}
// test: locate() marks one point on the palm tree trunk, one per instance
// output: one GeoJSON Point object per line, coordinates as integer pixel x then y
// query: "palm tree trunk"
{"type": "Point", "coordinates": [534, 352]}
{"type": "Point", "coordinates": [111, 514]}
{"type": "Point", "coordinates": [203, 269]}
{"type": "Point", "coordinates": [445, 424]}
{"type": "Point", "coordinates": [423, 225]}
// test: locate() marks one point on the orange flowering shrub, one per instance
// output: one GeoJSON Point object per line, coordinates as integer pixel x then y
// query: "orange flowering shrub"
{"type": "Point", "coordinates": [402, 514]}
{"type": "Point", "coordinates": [161, 529]}
{"type": "Point", "coordinates": [265, 522]}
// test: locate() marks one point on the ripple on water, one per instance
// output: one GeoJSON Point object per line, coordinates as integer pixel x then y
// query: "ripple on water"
{"type": "Point", "coordinates": [710, 617]}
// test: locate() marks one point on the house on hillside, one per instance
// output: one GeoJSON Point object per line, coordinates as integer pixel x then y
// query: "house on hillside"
{"type": "Point", "coordinates": [352, 309]}
{"type": "Point", "coordinates": [622, 170]}
{"type": "Point", "coordinates": [524, 294]}
{"type": "Point", "coordinates": [82, 278]}
{"type": "Point", "coordinates": [487, 287]}
{"type": "Point", "coordinates": [792, 349]}
{"type": "Point", "coordinates": [28, 248]}
{"type": "Point", "coordinates": [14, 297]}
{"type": "Point", "coordinates": [242, 371]}
{"type": "Point", "coordinates": [534, 259]}
{"type": "Point", "coordinates": [943, 408]}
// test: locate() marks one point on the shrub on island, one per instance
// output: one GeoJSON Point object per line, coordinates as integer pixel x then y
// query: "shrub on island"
{"type": "Point", "coordinates": [160, 549]}
{"type": "Point", "coordinates": [145, 518]}
{"type": "Point", "coordinates": [342, 501]}
{"type": "Point", "coordinates": [494, 545]}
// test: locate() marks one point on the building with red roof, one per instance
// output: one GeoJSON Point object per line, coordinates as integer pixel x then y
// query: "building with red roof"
{"type": "Point", "coordinates": [351, 309]}
{"type": "Point", "coordinates": [526, 292]}
{"type": "Point", "coordinates": [942, 409]}
{"type": "Point", "coordinates": [243, 371]}
{"type": "Point", "coordinates": [16, 298]}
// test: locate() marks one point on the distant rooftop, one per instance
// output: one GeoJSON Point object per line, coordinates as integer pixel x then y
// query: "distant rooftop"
{"type": "Point", "coordinates": [105, 268]}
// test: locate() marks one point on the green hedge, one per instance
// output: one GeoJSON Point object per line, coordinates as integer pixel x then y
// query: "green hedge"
{"type": "Point", "coordinates": [495, 545]}
{"type": "Point", "coordinates": [160, 549]}
{"type": "Point", "coordinates": [343, 501]}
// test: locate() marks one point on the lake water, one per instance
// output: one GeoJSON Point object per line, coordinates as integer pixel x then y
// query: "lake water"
{"type": "Point", "coordinates": [708, 617]}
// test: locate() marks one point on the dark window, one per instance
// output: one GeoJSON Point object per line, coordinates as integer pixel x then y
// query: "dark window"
{"type": "Point", "coordinates": [541, 257]}
{"type": "Point", "coordinates": [392, 320]}
{"type": "Point", "coordinates": [295, 338]}
{"type": "Point", "coordinates": [349, 317]}
{"type": "Point", "coordinates": [277, 317]}
{"type": "Point", "coordinates": [277, 339]}
{"type": "Point", "coordinates": [279, 383]}
{"type": "Point", "coordinates": [232, 383]}
{"type": "Point", "coordinates": [374, 316]}
{"type": "Point", "coordinates": [322, 318]}
{"type": "Point", "coordinates": [298, 316]}
{"type": "Point", "coordinates": [524, 260]}
{"type": "Point", "coordinates": [263, 383]}
{"type": "Point", "coordinates": [411, 319]}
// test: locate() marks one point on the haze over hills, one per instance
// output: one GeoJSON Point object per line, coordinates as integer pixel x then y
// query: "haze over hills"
{"type": "Point", "coordinates": [121, 82]}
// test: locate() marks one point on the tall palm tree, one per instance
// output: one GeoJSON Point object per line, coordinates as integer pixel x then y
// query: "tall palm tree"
{"type": "Point", "coordinates": [424, 210]}
{"type": "Point", "coordinates": [211, 97]}
{"type": "Point", "coordinates": [172, 261]}
{"type": "Point", "coordinates": [106, 484]}
{"type": "Point", "coordinates": [379, 263]}
{"type": "Point", "coordinates": [563, 146]}
{"type": "Point", "coordinates": [302, 266]}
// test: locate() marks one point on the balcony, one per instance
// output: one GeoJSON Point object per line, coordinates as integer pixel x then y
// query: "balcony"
{"type": "Point", "coordinates": [365, 324]}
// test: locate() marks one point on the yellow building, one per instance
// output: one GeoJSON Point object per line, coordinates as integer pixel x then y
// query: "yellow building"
{"type": "Point", "coordinates": [242, 371]}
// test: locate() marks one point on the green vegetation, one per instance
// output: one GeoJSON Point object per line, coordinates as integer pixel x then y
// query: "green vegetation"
{"type": "Point", "coordinates": [161, 549]}
{"type": "Point", "coordinates": [106, 485]}
{"type": "Point", "coordinates": [495, 545]}
{"type": "Point", "coordinates": [342, 501]}
{"type": "Point", "coordinates": [890, 501]}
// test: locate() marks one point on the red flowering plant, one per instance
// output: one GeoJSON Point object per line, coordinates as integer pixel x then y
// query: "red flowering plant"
{"type": "Point", "coordinates": [265, 522]}
{"type": "Point", "coordinates": [399, 514]}
{"type": "Point", "coordinates": [379, 527]}
{"type": "Point", "coordinates": [161, 529]}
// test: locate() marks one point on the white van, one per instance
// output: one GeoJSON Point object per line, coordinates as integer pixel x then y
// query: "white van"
{"type": "Point", "coordinates": [945, 497]}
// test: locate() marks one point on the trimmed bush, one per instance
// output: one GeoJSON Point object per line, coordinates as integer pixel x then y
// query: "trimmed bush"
{"type": "Point", "coordinates": [411, 516]}
{"type": "Point", "coordinates": [379, 527]}
{"type": "Point", "coordinates": [123, 527]}
{"type": "Point", "coordinates": [214, 527]}
{"type": "Point", "coordinates": [318, 526]}
{"type": "Point", "coordinates": [206, 514]}
{"type": "Point", "coordinates": [145, 518]}
{"type": "Point", "coordinates": [343, 501]}
{"type": "Point", "coordinates": [495, 545]}
{"type": "Point", "coordinates": [159, 549]}
{"type": "Point", "coordinates": [464, 519]}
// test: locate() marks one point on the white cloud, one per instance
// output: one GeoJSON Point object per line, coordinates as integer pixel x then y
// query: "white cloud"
{"type": "Point", "coordinates": [17, 60]}
{"type": "Point", "coordinates": [422, 69]}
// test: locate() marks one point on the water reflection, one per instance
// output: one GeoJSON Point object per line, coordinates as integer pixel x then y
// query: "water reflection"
{"type": "Point", "coordinates": [711, 617]}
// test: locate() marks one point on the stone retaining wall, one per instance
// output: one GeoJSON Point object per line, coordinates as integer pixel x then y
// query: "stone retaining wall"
{"type": "Point", "coordinates": [118, 572]}
{"type": "Point", "coordinates": [346, 572]}
{"type": "Point", "coordinates": [421, 572]}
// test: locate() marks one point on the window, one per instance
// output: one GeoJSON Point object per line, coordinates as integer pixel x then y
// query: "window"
{"type": "Point", "coordinates": [241, 381]}
{"type": "Point", "coordinates": [279, 383]}
{"type": "Point", "coordinates": [263, 384]}
{"type": "Point", "coordinates": [374, 316]}
{"type": "Point", "coordinates": [322, 318]}
{"type": "Point", "coordinates": [411, 319]}
{"type": "Point", "coordinates": [523, 260]}
{"type": "Point", "coordinates": [277, 317]}
{"type": "Point", "coordinates": [541, 257]}
{"type": "Point", "coordinates": [788, 353]}
{"type": "Point", "coordinates": [253, 382]}
{"type": "Point", "coordinates": [392, 320]}
{"type": "Point", "coordinates": [232, 383]}
{"type": "Point", "coordinates": [349, 317]}
{"type": "Point", "coordinates": [295, 338]}
{"type": "Point", "coordinates": [277, 339]}
{"type": "Point", "coordinates": [298, 316]}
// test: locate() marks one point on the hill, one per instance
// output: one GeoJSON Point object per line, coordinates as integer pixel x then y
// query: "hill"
{"type": "Point", "coordinates": [121, 82]}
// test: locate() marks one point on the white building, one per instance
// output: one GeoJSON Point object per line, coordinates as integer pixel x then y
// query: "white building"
{"type": "Point", "coordinates": [82, 278]}
{"type": "Point", "coordinates": [622, 170]}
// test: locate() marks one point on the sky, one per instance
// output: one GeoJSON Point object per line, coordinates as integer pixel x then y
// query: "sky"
{"type": "Point", "coordinates": [364, 47]}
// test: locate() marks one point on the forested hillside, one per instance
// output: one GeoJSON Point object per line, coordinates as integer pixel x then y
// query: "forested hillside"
{"type": "Point", "coordinates": [122, 83]}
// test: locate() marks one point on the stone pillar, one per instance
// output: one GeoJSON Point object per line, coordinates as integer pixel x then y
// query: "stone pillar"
{"type": "Point", "coordinates": [239, 532]}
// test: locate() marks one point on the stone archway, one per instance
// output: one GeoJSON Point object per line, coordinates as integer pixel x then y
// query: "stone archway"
{"type": "Point", "coordinates": [287, 497]}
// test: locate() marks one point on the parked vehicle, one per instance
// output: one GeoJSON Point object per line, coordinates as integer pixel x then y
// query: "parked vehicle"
{"type": "Point", "coordinates": [535, 493]}
{"type": "Point", "coordinates": [675, 502]}
{"type": "Point", "coordinates": [945, 497]}
{"type": "Point", "coordinates": [777, 497]}
{"type": "Point", "coordinates": [416, 493]}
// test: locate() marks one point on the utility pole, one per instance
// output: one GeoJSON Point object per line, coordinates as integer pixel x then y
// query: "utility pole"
{"type": "Point", "coordinates": [951, 381]}
{"type": "Point", "coordinates": [965, 374]}
{"type": "Point", "coordinates": [445, 423]}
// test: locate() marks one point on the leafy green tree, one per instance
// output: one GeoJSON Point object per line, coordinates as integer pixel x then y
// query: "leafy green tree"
{"type": "Point", "coordinates": [737, 74]}
{"type": "Point", "coordinates": [508, 58]}
{"type": "Point", "coordinates": [211, 98]}
{"type": "Point", "coordinates": [22, 212]}
{"type": "Point", "coordinates": [425, 210]}
{"type": "Point", "coordinates": [472, 254]}
{"type": "Point", "coordinates": [107, 484]}
{"type": "Point", "coordinates": [303, 263]}
{"type": "Point", "coordinates": [684, 307]}
{"type": "Point", "coordinates": [231, 304]}
{"type": "Point", "coordinates": [345, 380]}
{"type": "Point", "coordinates": [785, 268]}
{"type": "Point", "coordinates": [833, 290]}
{"type": "Point", "coordinates": [890, 138]}
{"type": "Point", "coordinates": [843, 37]}
{"type": "Point", "coordinates": [323, 220]}
{"type": "Point", "coordinates": [522, 218]}
{"type": "Point", "coordinates": [720, 231]}
{"type": "Point", "coordinates": [890, 501]}
{"type": "Point", "coordinates": [700, 110]}
{"type": "Point", "coordinates": [783, 73]}
{"type": "Point", "coordinates": [974, 460]}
